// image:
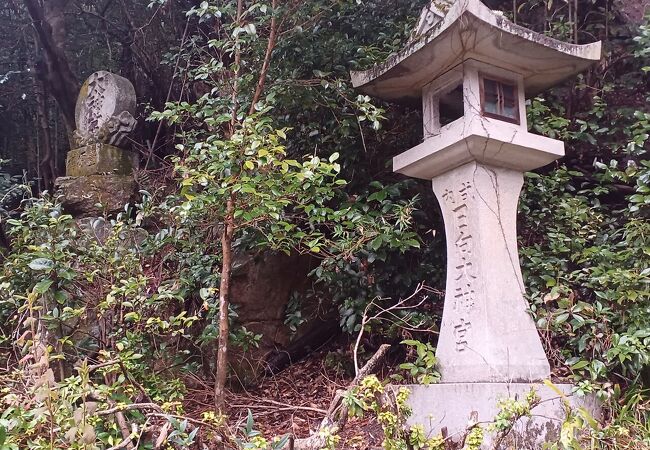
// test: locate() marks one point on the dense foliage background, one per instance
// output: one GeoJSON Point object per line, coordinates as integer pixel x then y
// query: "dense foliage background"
{"type": "Point", "coordinates": [252, 140]}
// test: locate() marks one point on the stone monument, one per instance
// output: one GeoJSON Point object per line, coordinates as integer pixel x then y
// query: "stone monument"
{"type": "Point", "coordinates": [99, 170]}
{"type": "Point", "coordinates": [472, 69]}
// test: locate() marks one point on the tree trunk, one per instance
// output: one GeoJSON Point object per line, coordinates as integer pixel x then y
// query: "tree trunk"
{"type": "Point", "coordinates": [48, 22]}
{"type": "Point", "coordinates": [224, 293]}
{"type": "Point", "coordinates": [267, 58]}
{"type": "Point", "coordinates": [226, 250]}
{"type": "Point", "coordinates": [48, 158]}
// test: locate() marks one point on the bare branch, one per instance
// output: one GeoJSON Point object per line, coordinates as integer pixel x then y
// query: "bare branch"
{"type": "Point", "coordinates": [267, 57]}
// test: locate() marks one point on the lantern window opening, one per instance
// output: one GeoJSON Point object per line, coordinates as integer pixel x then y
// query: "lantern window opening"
{"type": "Point", "coordinates": [452, 106]}
{"type": "Point", "coordinates": [499, 99]}
{"type": "Point", "coordinates": [442, 102]}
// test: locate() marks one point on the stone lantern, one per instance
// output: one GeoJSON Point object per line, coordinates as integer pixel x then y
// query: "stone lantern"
{"type": "Point", "coordinates": [473, 69]}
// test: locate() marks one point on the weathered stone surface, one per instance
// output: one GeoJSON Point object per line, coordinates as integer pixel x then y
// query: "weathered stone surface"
{"type": "Point", "coordinates": [261, 287]}
{"type": "Point", "coordinates": [486, 332]}
{"type": "Point", "coordinates": [95, 195]}
{"type": "Point", "coordinates": [97, 159]}
{"type": "Point", "coordinates": [99, 174]}
{"type": "Point", "coordinates": [431, 15]}
{"type": "Point", "coordinates": [473, 136]}
{"type": "Point", "coordinates": [105, 109]}
{"type": "Point", "coordinates": [633, 11]}
{"type": "Point", "coordinates": [486, 141]}
{"type": "Point", "coordinates": [450, 405]}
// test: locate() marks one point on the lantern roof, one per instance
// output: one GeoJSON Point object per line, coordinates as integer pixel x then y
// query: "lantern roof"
{"type": "Point", "coordinates": [469, 30]}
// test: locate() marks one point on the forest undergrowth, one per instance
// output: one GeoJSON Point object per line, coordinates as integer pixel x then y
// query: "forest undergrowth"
{"type": "Point", "coordinates": [125, 331]}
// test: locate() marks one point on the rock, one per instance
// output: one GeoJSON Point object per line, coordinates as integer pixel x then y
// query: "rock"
{"type": "Point", "coordinates": [633, 11]}
{"type": "Point", "coordinates": [95, 195]}
{"type": "Point", "coordinates": [431, 15]}
{"type": "Point", "coordinates": [261, 288]}
{"type": "Point", "coordinates": [309, 337]}
{"type": "Point", "coordinates": [486, 332]}
{"type": "Point", "coordinates": [97, 159]}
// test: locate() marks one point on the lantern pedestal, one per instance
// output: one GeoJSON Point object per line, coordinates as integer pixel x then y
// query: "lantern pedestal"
{"type": "Point", "coordinates": [486, 333]}
{"type": "Point", "coordinates": [450, 405]}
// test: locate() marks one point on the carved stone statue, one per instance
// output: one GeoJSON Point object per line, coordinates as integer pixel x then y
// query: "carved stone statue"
{"type": "Point", "coordinates": [99, 169]}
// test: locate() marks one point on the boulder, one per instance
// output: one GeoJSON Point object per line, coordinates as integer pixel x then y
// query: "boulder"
{"type": "Point", "coordinates": [632, 11]}
{"type": "Point", "coordinates": [261, 288]}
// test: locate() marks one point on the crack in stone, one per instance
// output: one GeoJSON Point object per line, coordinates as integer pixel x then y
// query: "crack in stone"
{"type": "Point", "coordinates": [495, 185]}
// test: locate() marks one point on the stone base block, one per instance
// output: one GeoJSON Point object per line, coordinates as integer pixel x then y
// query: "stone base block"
{"type": "Point", "coordinates": [97, 159]}
{"type": "Point", "coordinates": [450, 405]}
{"type": "Point", "coordinates": [95, 195]}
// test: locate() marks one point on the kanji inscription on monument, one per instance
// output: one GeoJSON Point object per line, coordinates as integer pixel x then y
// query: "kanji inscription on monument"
{"type": "Point", "coordinates": [105, 109]}
{"type": "Point", "coordinates": [456, 199]}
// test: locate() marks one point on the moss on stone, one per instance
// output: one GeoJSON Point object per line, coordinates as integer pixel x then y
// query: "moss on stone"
{"type": "Point", "coordinates": [97, 159]}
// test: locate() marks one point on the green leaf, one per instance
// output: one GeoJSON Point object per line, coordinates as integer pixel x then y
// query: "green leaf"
{"type": "Point", "coordinates": [379, 196]}
{"type": "Point", "coordinates": [280, 443]}
{"type": "Point", "coordinates": [376, 243]}
{"type": "Point", "coordinates": [555, 389]}
{"type": "Point", "coordinates": [412, 243]}
{"type": "Point", "coordinates": [249, 422]}
{"type": "Point", "coordinates": [561, 318]}
{"type": "Point", "coordinates": [61, 297]}
{"type": "Point", "coordinates": [41, 264]}
{"type": "Point", "coordinates": [132, 316]}
{"type": "Point", "coordinates": [42, 286]}
{"type": "Point", "coordinates": [580, 365]}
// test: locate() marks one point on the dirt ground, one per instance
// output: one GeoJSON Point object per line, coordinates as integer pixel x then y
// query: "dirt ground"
{"type": "Point", "coordinates": [293, 402]}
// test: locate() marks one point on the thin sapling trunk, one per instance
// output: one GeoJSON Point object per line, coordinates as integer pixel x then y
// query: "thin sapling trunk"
{"type": "Point", "coordinates": [224, 293]}
{"type": "Point", "coordinates": [221, 371]}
